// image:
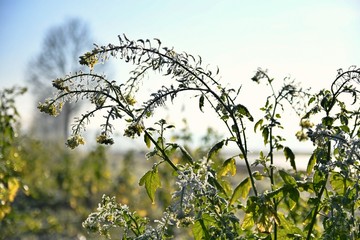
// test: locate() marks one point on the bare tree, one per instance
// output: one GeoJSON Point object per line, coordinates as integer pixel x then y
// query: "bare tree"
{"type": "Point", "coordinates": [59, 54]}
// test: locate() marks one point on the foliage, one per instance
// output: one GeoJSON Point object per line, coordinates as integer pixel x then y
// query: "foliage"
{"type": "Point", "coordinates": [11, 164]}
{"type": "Point", "coordinates": [290, 205]}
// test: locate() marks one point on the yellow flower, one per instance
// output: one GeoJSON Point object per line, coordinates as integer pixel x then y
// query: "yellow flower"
{"type": "Point", "coordinates": [75, 141]}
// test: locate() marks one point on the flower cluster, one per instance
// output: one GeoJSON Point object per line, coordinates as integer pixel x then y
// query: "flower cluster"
{"type": "Point", "coordinates": [50, 108]}
{"type": "Point", "coordinates": [104, 139]}
{"type": "Point", "coordinates": [111, 214]}
{"type": "Point", "coordinates": [89, 59]}
{"type": "Point", "coordinates": [75, 141]}
{"type": "Point", "coordinates": [305, 124]}
{"type": "Point", "coordinates": [134, 129]}
{"type": "Point", "coordinates": [59, 84]}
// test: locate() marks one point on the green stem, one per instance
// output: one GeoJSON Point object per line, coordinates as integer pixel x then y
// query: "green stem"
{"type": "Point", "coordinates": [166, 158]}
{"type": "Point", "coordinates": [272, 180]}
{"type": "Point", "coordinates": [319, 196]}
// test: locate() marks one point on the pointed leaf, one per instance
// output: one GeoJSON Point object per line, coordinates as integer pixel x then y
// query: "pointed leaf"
{"type": "Point", "coordinates": [152, 182]}
{"type": "Point", "coordinates": [186, 155]}
{"type": "Point", "coordinates": [248, 221]}
{"type": "Point", "coordinates": [288, 229]}
{"type": "Point", "coordinates": [243, 111]}
{"type": "Point", "coordinates": [290, 155]}
{"type": "Point", "coordinates": [265, 134]}
{"type": "Point", "coordinates": [229, 166]}
{"type": "Point", "coordinates": [258, 124]}
{"type": "Point", "coordinates": [294, 196]}
{"type": "Point", "coordinates": [147, 140]}
{"type": "Point", "coordinates": [338, 183]}
{"type": "Point", "coordinates": [198, 230]}
{"type": "Point", "coordinates": [287, 178]}
{"type": "Point", "coordinates": [277, 193]}
{"type": "Point", "coordinates": [241, 191]}
{"type": "Point", "coordinates": [200, 227]}
{"type": "Point", "coordinates": [311, 164]}
{"type": "Point", "coordinates": [201, 102]}
{"type": "Point", "coordinates": [215, 149]}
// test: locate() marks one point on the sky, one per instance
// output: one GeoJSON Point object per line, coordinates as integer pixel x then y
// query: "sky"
{"type": "Point", "coordinates": [307, 40]}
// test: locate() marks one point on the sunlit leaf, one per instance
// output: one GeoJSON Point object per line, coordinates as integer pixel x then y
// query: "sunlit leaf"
{"type": "Point", "coordinates": [248, 221]}
{"type": "Point", "coordinates": [13, 186]}
{"type": "Point", "coordinates": [287, 178]}
{"type": "Point", "coordinates": [241, 191]}
{"type": "Point", "coordinates": [288, 229]}
{"type": "Point", "coordinates": [198, 230]}
{"type": "Point", "coordinates": [229, 166]}
{"type": "Point", "coordinates": [257, 175]}
{"type": "Point", "coordinates": [152, 182]}
{"type": "Point", "coordinates": [200, 227]}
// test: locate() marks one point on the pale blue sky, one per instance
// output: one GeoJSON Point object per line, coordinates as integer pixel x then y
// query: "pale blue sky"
{"type": "Point", "coordinates": [307, 39]}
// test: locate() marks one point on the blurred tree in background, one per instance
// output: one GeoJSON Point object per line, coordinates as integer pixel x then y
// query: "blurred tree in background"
{"type": "Point", "coordinates": [58, 56]}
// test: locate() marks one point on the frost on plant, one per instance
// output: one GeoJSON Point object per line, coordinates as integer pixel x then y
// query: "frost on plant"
{"type": "Point", "coordinates": [264, 201]}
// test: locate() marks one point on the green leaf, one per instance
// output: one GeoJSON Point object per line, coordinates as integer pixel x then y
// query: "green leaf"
{"type": "Point", "coordinates": [287, 178]}
{"type": "Point", "coordinates": [344, 120]}
{"type": "Point", "coordinates": [198, 231]}
{"type": "Point", "coordinates": [147, 140]}
{"type": "Point", "coordinates": [265, 134]}
{"type": "Point", "coordinates": [201, 102]}
{"type": "Point", "coordinates": [345, 128]}
{"type": "Point", "coordinates": [277, 193]}
{"type": "Point", "coordinates": [243, 111]}
{"type": "Point", "coordinates": [229, 166]}
{"type": "Point", "coordinates": [241, 191]}
{"type": "Point", "coordinates": [199, 228]}
{"type": "Point", "coordinates": [337, 183]}
{"type": "Point", "coordinates": [311, 164]}
{"type": "Point", "coordinates": [294, 196]}
{"type": "Point", "coordinates": [290, 155]}
{"type": "Point", "coordinates": [318, 180]}
{"type": "Point", "coordinates": [258, 124]}
{"type": "Point", "coordinates": [288, 229]}
{"type": "Point", "coordinates": [215, 149]}
{"type": "Point", "coordinates": [215, 183]}
{"type": "Point", "coordinates": [248, 221]}
{"type": "Point", "coordinates": [152, 182]}
{"type": "Point", "coordinates": [257, 175]}
{"type": "Point", "coordinates": [186, 155]}
{"type": "Point", "coordinates": [327, 121]}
